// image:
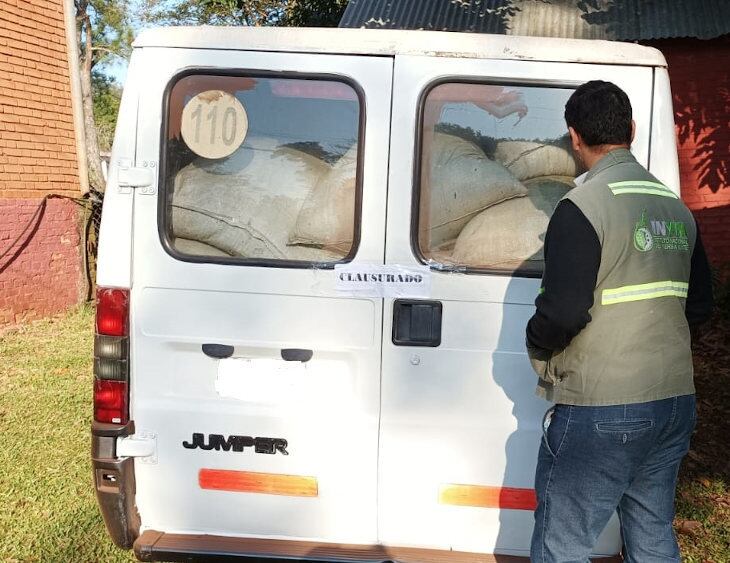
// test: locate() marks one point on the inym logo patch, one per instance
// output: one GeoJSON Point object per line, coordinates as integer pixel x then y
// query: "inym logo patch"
{"type": "Point", "coordinates": [660, 234]}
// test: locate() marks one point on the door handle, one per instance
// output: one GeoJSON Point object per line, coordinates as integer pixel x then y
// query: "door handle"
{"type": "Point", "coordinates": [296, 354]}
{"type": "Point", "coordinates": [218, 351]}
{"type": "Point", "coordinates": [416, 322]}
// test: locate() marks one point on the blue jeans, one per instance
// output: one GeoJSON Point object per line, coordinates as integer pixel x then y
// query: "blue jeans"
{"type": "Point", "coordinates": [594, 460]}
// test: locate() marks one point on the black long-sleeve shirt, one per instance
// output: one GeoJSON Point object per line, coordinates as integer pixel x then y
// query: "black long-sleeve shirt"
{"type": "Point", "coordinates": [572, 258]}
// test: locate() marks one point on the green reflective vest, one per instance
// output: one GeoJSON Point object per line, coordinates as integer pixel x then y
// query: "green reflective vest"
{"type": "Point", "coordinates": [636, 347]}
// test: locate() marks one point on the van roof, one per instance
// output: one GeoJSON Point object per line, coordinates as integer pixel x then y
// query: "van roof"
{"type": "Point", "coordinates": [387, 42]}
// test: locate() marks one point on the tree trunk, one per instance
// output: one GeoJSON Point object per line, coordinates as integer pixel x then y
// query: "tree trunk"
{"type": "Point", "coordinates": [96, 178]}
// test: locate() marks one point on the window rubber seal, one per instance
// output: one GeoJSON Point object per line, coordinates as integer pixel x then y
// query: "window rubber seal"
{"type": "Point", "coordinates": [416, 182]}
{"type": "Point", "coordinates": [162, 196]}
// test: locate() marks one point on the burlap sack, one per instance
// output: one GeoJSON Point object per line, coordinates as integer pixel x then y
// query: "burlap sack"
{"type": "Point", "coordinates": [511, 234]}
{"type": "Point", "coordinates": [526, 159]}
{"type": "Point", "coordinates": [463, 183]}
{"type": "Point", "coordinates": [327, 217]}
{"type": "Point", "coordinates": [247, 205]}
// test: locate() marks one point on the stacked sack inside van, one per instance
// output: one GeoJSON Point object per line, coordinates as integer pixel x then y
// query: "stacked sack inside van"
{"type": "Point", "coordinates": [269, 200]}
{"type": "Point", "coordinates": [511, 233]}
{"type": "Point", "coordinates": [248, 204]}
{"type": "Point", "coordinates": [481, 212]}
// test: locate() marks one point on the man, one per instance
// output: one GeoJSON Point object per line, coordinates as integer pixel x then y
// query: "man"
{"type": "Point", "coordinates": [625, 274]}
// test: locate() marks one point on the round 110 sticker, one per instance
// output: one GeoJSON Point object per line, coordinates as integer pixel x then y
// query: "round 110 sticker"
{"type": "Point", "coordinates": [214, 124]}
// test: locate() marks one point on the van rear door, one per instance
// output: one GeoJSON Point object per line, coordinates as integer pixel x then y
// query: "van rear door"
{"type": "Point", "coordinates": [257, 383]}
{"type": "Point", "coordinates": [478, 162]}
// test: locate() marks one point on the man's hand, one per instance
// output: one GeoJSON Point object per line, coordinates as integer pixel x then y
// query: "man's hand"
{"type": "Point", "coordinates": [541, 361]}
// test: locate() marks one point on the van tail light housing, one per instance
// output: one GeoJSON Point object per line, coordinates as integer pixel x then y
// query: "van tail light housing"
{"type": "Point", "coordinates": [112, 311]}
{"type": "Point", "coordinates": [111, 356]}
{"type": "Point", "coordinates": [110, 401]}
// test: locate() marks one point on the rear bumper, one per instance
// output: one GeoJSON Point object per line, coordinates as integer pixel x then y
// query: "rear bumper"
{"type": "Point", "coordinates": [159, 546]}
{"type": "Point", "coordinates": [114, 483]}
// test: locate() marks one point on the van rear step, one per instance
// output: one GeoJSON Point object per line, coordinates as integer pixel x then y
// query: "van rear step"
{"type": "Point", "coordinates": [159, 546]}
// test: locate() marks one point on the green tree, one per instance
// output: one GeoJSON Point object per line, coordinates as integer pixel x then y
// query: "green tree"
{"type": "Point", "coordinates": [103, 32]}
{"type": "Point", "coordinates": [107, 95]}
{"type": "Point", "coordinates": [213, 12]}
{"type": "Point", "coordinates": [315, 13]}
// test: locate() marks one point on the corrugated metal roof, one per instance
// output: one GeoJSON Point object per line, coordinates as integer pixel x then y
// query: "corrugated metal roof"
{"type": "Point", "coordinates": [623, 20]}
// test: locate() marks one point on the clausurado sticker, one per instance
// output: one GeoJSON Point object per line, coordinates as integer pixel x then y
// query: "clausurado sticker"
{"type": "Point", "coordinates": [214, 124]}
{"type": "Point", "coordinates": [377, 280]}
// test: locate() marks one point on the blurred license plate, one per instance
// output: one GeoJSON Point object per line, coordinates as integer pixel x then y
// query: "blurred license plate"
{"type": "Point", "coordinates": [261, 380]}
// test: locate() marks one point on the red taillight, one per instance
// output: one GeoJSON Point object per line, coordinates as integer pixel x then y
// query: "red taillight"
{"type": "Point", "coordinates": [110, 401]}
{"type": "Point", "coordinates": [111, 356]}
{"type": "Point", "coordinates": [112, 311]}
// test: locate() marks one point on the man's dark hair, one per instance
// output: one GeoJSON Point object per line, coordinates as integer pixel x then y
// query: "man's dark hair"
{"type": "Point", "coordinates": [600, 112]}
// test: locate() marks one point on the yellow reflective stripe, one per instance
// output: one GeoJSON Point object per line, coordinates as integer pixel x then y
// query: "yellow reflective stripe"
{"type": "Point", "coordinates": [641, 187]}
{"type": "Point", "coordinates": [643, 286]}
{"type": "Point", "coordinates": [650, 191]}
{"type": "Point", "coordinates": [644, 291]}
{"type": "Point", "coordinates": [644, 183]}
{"type": "Point", "coordinates": [644, 296]}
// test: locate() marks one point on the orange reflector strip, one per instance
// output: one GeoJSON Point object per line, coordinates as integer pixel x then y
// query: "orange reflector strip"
{"type": "Point", "coordinates": [488, 497]}
{"type": "Point", "coordinates": [266, 483]}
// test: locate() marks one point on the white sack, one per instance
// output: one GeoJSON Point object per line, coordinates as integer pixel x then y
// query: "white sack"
{"type": "Point", "coordinates": [512, 232]}
{"type": "Point", "coordinates": [247, 204]}
{"type": "Point", "coordinates": [464, 182]}
{"type": "Point", "coordinates": [526, 159]}
{"type": "Point", "coordinates": [327, 217]}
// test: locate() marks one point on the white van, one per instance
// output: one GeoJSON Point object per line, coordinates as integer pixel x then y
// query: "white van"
{"type": "Point", "coordinates": [319, 251]}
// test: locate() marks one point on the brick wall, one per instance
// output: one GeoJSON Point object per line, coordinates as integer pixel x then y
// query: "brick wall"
{"type": "Point", "coordinates": [42, 272]}
{"type": "Point", "coordinates": [699, 72]}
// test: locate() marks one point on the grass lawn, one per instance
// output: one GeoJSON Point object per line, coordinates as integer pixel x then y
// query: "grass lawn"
{"type": "Point", "coordinates": [48, 511]}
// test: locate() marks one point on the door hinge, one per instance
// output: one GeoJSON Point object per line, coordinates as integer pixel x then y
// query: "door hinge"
{"type": "Point", "coordinates": [141, 178]}
{"type": "Point", "coordinates": [142, 445]}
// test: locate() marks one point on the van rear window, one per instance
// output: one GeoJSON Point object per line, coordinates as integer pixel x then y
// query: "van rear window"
{"type": "Point", "coordinates": [261, 169]}
{"type": "Point", "coordinates": [495, 161]}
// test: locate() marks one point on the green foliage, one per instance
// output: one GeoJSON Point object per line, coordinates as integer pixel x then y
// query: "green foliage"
{"type": "Point", "coordinates": [213, 12]}
{"type": "Point", "coordinates": [314, 13]}
{"type": "Point", "coordinates": [104, 27]}
{"type": "Point", "coordinates": [106, 95]}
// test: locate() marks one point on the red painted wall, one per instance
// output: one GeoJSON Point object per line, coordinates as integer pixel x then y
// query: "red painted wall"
{"type": "Point", "coordinates": [699, 72]}
{"type": "Point", "coordinates": [41, 273]}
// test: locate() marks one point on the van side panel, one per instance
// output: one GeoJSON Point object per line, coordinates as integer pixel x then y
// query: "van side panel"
{"type": "Point", "coordinates": [663, 161]}
{"type": "Point", "coordinates": [114, 262]}
{"type": "Point", "coordinates": [114, 476]}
